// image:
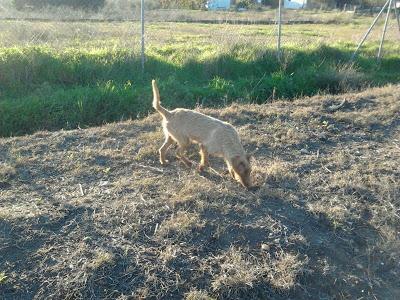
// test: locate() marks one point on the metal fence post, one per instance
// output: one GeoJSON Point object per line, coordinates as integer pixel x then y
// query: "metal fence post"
{"type": "Point", "coordinates": [142, 33]}
{"type": "Point", "coordinates": [369, 30]}
{"type": "Point", "coordinates": [397, 14]}
{"type": "Point", "coordinates": [384, 30]}
{"type": "Point", "coordinates": [279, 30]}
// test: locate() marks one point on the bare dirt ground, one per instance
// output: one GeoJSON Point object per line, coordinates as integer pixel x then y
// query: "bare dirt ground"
{"type": "Point", "coordinates": [89, 214]}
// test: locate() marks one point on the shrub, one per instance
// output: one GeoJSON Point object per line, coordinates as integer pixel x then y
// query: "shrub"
{"type": "Point", "coordinates": [244, 4]}
{"type": "Point", "coordinates": [189, 4]}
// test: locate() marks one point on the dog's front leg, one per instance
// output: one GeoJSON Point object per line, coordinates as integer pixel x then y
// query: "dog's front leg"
{"type": "Point", "coordinates": [232, 172]}
{"type": "Point", "coordinates": [204, 158]}
{"type": "Point", "coordinates": [230, 169]}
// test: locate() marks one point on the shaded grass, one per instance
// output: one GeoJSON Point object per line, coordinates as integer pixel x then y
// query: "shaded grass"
{"type": "Point", "coordinates": [47, 89]}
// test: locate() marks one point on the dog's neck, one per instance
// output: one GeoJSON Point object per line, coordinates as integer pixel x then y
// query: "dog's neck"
{"type": "Point", "coordinates": [234, 152]}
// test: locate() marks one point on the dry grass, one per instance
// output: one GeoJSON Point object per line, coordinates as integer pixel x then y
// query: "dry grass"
{"type": "Point", "coordinates": [197, 295]}
{"type": "Point", "coordinates": [3, 278]}
{"type": "Point", "coordinates": [241, 272]}
{"type": "Point", "coordinates": [237, 273]}
{"type": "Point", "coordinates": [101, 259]}
{"type": "Point", "coordinates": [285, 269]}
{"type": "Point", "coordinates": [89, 214]}
{"type": "Point", "coordinates": [164, 36]}
{"type": "Point", "coordinates": [169, 253]}
{"type": "Point", "coordinates": [280, 172]}
{"type": "Point", "coordinates": [6, 171]}
{"type": "Point", "coordinates": [180, 225]}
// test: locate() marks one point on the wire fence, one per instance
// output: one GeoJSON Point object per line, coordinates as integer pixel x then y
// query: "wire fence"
{"type": "Point", "coordinates": [122, 28]}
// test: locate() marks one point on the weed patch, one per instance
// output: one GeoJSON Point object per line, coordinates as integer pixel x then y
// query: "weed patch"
{"type": "Point", "coordinates": [44, 88]}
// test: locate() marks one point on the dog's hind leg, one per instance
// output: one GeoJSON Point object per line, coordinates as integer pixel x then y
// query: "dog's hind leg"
{"type": "Point", "coordinates": [204, 158]}
{"type": "Point", "coordinates": [168, 142]}
{"type": "Point", "coordinates": [181, 154]}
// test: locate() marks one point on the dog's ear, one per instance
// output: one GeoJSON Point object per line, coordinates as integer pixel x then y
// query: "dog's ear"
{"type": "Point", "coordinates": [238, 165]}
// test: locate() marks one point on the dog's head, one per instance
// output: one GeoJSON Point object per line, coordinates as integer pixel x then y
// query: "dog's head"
{"type": "Point", "coordinates": [242, 168]}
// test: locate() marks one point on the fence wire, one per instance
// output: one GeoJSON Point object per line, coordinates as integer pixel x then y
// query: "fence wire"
{"type": "Point", "coordinates": [117, 26]}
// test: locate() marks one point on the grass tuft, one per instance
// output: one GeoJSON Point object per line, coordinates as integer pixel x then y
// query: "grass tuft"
{"type": "Point", "coordinates": [198, 295]}
{"type": "Point", "coordinates": [238, 273]}
{"type": "Point", "coordinates": [7, 172]}
{"type": "Point", "coordinates": [179, 225]}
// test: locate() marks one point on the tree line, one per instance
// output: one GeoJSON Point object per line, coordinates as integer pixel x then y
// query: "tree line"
{"type": "Point", "coordinates": [186, 4]}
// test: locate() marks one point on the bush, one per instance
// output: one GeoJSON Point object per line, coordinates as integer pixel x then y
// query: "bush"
{"type": "Point", "coordinates": [78, 4]}
{"type": "Point", "coordinates": [244, 4]}
{"type": "Point", "coordinates": [189, 4]}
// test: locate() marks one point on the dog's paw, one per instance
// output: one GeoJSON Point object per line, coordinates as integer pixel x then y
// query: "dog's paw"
{"type": "Point", "coordinates": [201, 168]}
{"type": "Point", "coordinates": [164, 163]}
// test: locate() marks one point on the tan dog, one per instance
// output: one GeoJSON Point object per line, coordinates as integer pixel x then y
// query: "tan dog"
{"type": "Point", "coordinates": [215, 137]}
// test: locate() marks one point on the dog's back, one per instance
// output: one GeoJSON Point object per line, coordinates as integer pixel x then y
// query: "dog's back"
{"type": "Point", "coordinates": [185, 125]}
{"type": "Point", "coordinates": [219, 137]}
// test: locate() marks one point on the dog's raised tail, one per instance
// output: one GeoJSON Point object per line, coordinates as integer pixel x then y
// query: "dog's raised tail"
{"type": "Point", "coordinates": [156, 101]}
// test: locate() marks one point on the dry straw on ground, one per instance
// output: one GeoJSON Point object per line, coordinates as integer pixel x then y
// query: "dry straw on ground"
{"type": "Point", "coordinates": [90, 214]}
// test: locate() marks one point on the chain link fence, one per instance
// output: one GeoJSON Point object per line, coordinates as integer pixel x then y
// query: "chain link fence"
{"type": "Point", "coordinates": [117, 24]}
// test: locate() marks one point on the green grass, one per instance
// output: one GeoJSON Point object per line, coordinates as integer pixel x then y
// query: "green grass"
{"type": "Point", "coordinates": [90, 82]}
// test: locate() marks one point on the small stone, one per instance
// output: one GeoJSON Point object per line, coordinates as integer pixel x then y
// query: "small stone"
{"type": "Point", "coordinates": [331, 127]}
{"type": "Point", "coordinates": [303, 151]}
{"type": "Point", "coordinates": [322, 136]}
{"type": "Point", "coordinates": [264, 247]}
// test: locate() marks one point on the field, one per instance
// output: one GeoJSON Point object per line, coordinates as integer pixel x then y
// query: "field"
{"type": "Point", "coordinates": [90, 214]}
{"type": "Point", "coordinates": [87, 212]}
{"type": "Point", "coordinates": [65, 75]}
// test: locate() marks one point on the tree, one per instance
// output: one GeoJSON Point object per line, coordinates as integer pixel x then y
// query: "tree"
{"type": "Point", "coordinates": [37, 4]}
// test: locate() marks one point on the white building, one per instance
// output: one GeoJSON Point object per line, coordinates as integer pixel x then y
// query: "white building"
{"type": "Point", "coordinates": [218, 4]}
{"type": "Point", "coordinates": [294, 4]}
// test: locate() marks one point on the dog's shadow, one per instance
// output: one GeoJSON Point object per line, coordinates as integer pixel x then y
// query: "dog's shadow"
{"type": "Point", "coordinates": [216, 176]}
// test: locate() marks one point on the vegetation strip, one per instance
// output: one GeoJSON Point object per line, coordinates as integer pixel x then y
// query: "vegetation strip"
{"type": "Point", "coordinates": [205, 21]}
